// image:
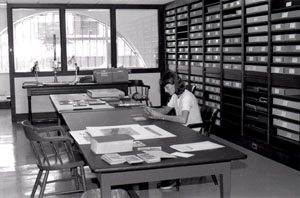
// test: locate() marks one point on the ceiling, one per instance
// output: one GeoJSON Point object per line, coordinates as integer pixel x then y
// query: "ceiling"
{"type": "Point", "coordinates": [88, 1]}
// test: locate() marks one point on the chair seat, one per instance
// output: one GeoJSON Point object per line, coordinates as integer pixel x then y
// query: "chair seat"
{"type": "Point", "coordinates": [95, 193]}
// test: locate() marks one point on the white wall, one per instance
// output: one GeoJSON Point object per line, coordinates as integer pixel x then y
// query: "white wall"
{"type": "Point", "coordinates": [43, 103]}
{"type": "Point", "coordinates": [4, 82]}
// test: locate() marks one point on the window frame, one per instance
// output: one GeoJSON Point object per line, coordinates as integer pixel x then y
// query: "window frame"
{"type": "Point", "coordinates": [62, 11]}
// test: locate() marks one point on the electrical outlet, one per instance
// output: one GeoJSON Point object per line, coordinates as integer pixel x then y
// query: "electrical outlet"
{"type": "Point", "coordinates": [254, 146]}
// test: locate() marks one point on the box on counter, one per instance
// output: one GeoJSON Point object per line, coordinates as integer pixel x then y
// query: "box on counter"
{"type": "Point", "coordinates": [112, 144]}
{"type": "Point", "coordinates": [104, 93]}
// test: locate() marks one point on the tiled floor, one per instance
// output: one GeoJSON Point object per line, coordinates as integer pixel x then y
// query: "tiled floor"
{"type": "Point", "coordinates": [255, 177]}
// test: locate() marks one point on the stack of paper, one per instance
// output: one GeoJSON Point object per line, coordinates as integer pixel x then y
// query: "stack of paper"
{"type": "Point", "coordinates": [113, 158]}
{"type": "Point", "coordinates": [149, 158]}
{"type": "Point", "coordinates": [133, 159]}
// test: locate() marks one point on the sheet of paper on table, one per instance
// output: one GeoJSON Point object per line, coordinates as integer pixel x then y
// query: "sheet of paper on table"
{"type": "Point", "coordinates": [196, 146]}
{"type": "Point", "coordinates": [81, 137]}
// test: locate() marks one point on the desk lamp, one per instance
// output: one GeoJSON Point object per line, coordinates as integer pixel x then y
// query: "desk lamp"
{"type": "Point", "coordinates": [35, 69]}
{"type": "Point", "coordinates": [74, 62]}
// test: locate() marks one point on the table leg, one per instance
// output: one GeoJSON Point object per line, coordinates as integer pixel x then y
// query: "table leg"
{"type": "Point", "coordinates": [105, 187]}
{"type": "Point", "coordinates": [225, 184]}
{"type": "Point", "coordinates": [29, 109]}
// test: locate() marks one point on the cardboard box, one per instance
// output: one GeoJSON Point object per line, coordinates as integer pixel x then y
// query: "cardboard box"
{"type": "Point", "coordinates": [195, 28]}
{"type": "Point", "coordinates": [112, 144]}
{"type": "Point", "coordinates": [277, 70]}
{"type": "Point", "coordinates": [103, 76]}
{"type": "Point", "coordinates": [104, 93]}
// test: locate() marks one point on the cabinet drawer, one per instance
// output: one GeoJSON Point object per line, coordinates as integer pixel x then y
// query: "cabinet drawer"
{"type": "Point", "coordinates": [254, 1]}
{"type": "Point", "coordinates": [232, 22]}
{"type": "Point", "coordinates": [257, 9]}
{"type": "Point", "coordinates": [286, 103]}
{"type": "Point", "coordinates": [196, 13]}
{"type": "Point", "coordinates": [288, 48]}
{"type": "Point", "coordinates": [285, 92]}
{"type": "Point", "coordinates": [197, 57]}
{"type": "Point", "coordinates": [170, 25]}
{"type": "Point", "coordinates": [195, 28]}
{"type": "Point", "coordinates": [182, 9]}
{"type": "Point", "coordinates": [289, 14]}
{"type": "Point", "coordinates": [196, 50]}
{"type": "Point", "coordinates": [286, 114]}
{"type": "Point", "coordinates": [196, 5]}
{"type": "Point", "coordinates": [253, 39]}
{"type": "Point", "coordinates": [256, 19]}
{"type": "Point", "coordinates": [256, 49]}
{"type": "Point", "coordinates": [196, 35]}
{"type": "Point", "coordinates": [256, 68]}
{"type": "Point", "coordinates": [196, 43]}
{"type": "Point", "coordinates": [170, 12]}
{"type": "Point", "coordinates": [289, 135]}
{"type": "Point", "coordinates": [263, 28]}
{"type": "Point", "coordinates": [196, 20]}
{"type": "Point", "coordinates": [182, 16]}
{"type": "Point", "coordinates": [232, 49]}
{"type": "Point", "coordinates": [287, 125]}
{"type": "Point", "coordinates": [232, 31]}
{"type": "Point", "coordinates": [232, 58]}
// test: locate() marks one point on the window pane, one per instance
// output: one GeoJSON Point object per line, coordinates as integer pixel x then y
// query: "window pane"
{"type": "Point", "coordinates": [4, 63]}
{"type": "Point", "coordinates": [137, 38]}
{"type": "Point", "coordinates": [88, 38]}
{"type": "Point", "coordinates": [36, 38]}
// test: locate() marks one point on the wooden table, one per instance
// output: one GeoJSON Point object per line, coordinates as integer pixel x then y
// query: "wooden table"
{"type": "Point", "coordinates": [65, 88]}
{"type": "Point", "coordinates": [208, 162]}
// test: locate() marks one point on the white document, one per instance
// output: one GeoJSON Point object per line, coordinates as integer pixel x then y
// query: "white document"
{"type": "Point", "coordinates": [134, 130]}
{"type": "Point", "coordinates": [197, 146]}
{"type": "Point", "coordinates": [160, 154]}
{"type": "Point", "coordinates": [157, 132]}
{"type": "Point", "coordinates": [184, 155]}
{"type": "Point", "coordinates": [81, 137]}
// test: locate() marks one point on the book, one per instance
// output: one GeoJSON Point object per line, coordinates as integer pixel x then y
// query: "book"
{"type": "Point", "coordinates": [148, 157]}
{"type": "Point", "coordinates": [133, 159]}
{"type": "Point", "coordinates": [113, 158]}
{"type": "Point", "coordinates": [111, 144]}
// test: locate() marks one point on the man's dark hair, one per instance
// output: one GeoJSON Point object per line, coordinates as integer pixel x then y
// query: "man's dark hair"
{"type": "Point", "coordinates": [172, 78]}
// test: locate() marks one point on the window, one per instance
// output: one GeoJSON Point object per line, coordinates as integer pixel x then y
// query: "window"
{"type": "Point", "coordinates": [88, 38]}
{"type": "Point", "coordinates": [36, 38]}
{"type": "Point", "coordinates": [4, 63]}
{"type": "Point", "coordinates": [140, 28]}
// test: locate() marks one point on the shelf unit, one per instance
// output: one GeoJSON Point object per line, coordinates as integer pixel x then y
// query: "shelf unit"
{"type": "Point", "coordinates": [243, 56]}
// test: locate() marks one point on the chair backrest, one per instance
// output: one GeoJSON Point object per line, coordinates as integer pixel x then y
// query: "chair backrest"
{"type": "Point", "coordinates": [191, 88]}
{"type": "Point", "coordinates": [138, 90]}
{"type": "Point", "coordinates": [50, 151]}
{"type": "Point", "coordinates": [209, 117]}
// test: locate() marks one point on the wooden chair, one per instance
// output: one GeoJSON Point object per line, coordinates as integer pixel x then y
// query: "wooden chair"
{"type": "Point", "coordinates": [54, 152]}
{"type": "Point", "coordinates": [139, 91]}
{"type": "Point", "coordinates": [209, 117]}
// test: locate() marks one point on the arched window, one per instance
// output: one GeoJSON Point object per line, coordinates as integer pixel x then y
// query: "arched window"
{"type": "Point", "coordinates": [37, 38]}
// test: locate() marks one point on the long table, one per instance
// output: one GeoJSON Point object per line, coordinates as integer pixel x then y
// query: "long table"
{"type": "Point", "coordinates": [207, 162]}
{"type": "Point", "coordinates": [65, 88]}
